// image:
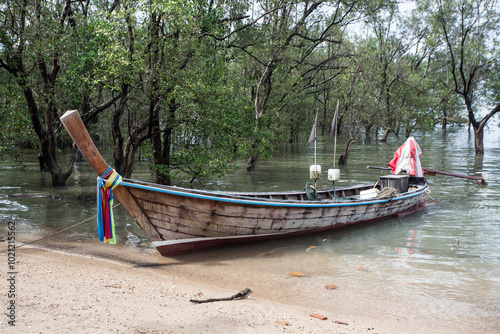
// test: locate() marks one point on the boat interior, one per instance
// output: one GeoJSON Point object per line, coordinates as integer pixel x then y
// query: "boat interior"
{"type": "Point", "coordinates": [387, 186]}
{"type": "Point", "coordinates": [391, 185]}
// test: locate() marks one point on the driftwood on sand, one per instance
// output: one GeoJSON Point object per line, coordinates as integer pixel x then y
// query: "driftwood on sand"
{"type": "Point", "coordinates": [240, 295]}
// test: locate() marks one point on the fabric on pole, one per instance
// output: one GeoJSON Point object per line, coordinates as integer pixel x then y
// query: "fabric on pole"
{"type": "Point", "coordinates": [100, 205]}
{"type": "Point", "coordinates": [407, 158]}
{"type": "Point", "coordinates": [105, 220]}
{"type": "Point", "coordinates": [312, 137]}
{"type": "Point", "coordinates": [333, 127]}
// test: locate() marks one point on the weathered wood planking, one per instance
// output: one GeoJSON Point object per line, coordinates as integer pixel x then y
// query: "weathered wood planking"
{"type": "Point", "coordinates": [186, 217]}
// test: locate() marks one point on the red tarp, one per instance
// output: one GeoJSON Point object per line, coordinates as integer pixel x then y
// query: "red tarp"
{"type": "Point", "coordinates": [407, 158]}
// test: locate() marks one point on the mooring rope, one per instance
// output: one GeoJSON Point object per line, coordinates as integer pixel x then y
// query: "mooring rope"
{"type": "Point", "coordinates": [55, 233]}
{"type": "Point", "coordinates": [428, 193]}
{"type": "Point", "coordinates": [310, 190]}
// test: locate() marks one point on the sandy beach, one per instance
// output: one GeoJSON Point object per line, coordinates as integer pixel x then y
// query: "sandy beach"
{"type": "Point", "coordinates": [73, 293]}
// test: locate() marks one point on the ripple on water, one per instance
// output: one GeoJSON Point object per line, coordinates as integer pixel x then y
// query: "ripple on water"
{"type": "Point", "coordinates": [7, 205]}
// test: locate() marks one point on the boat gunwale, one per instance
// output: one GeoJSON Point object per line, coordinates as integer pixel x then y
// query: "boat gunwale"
{"type": "Point", "coordinates": [247, 200]}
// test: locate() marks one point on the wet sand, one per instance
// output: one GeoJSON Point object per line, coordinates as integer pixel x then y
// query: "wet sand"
{"type": "Point", "coordinates": [83, 293]}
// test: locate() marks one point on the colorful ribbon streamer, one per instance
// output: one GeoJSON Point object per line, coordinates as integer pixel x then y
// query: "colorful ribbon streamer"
{"type": "Point", "coordinates": [105, 220]}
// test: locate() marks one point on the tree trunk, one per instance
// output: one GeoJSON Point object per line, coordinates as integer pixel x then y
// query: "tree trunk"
{"type": "Point", "coordinates": [343, 158]}
{"type": "Point", "coordinates": [167, 145]}
{"type": "Point", "coordinates": [46, 136]}
{"type": "Point", "coordinates": [444, 120]}
{"type": "Point", "coordinates": [59, 179]}
{"type": "Point", "coordinates": [58, 176]}
{"type": "Point", "coordinates": [386, 134]}
{"type": "Point", "coordinates": [252, 161]}
{"type": "Point", "coordinates": [479, 140]}
{"type": "Point", "coordinates": [124, 154]}
{"type": "Point", "coordinates": [479, 126]}
{"type": "Point", "coordinates": [119, 158]}
{"type": "Point", "coordinates": [159, 160]}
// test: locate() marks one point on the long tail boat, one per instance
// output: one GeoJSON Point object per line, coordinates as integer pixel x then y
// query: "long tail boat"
{"type": "Point", "coordinates": [179, 220]}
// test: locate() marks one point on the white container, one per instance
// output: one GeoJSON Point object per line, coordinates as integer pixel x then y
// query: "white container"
{"type": "Point", "coordinates": [315, 171]}
{"type": "Point", "coordinates": [370, 193]}
{"type": "Point", "coordinates": [333, 174]}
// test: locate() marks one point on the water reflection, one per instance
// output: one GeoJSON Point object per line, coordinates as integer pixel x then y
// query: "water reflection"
{"type": "Point", "coordinates": [405, 254]}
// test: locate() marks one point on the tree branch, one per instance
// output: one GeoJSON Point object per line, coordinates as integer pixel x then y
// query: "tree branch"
{"type": "Point", "coordinates": [240, 295]}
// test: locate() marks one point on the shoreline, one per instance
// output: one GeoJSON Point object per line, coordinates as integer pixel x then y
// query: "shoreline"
{"type": "Point", "coordinates": [69, 292]}
{"type": "Point", "coordinates": [61, 292]}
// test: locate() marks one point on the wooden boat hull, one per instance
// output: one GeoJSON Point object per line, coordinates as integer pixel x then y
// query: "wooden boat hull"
{"type": "Point", "coordinates": [179, 220]}
{"type": "Point", "coordinates": [184, 221]}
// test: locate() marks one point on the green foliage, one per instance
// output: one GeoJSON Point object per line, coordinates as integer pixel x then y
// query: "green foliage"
{"type": "Point", "coordinates": [227, 80]}
{"type": "Point", "coordinates": [206, 119]}
{"type": "Point", "coordinates": [15, 126]}
{"type": "Point", "coordinates": [209, 133]}
{"type": "Point", "coordinates": [464, 35]}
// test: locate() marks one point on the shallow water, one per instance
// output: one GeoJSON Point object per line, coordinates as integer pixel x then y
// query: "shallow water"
{"type": "Point", "coordinates": [445, 258]}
